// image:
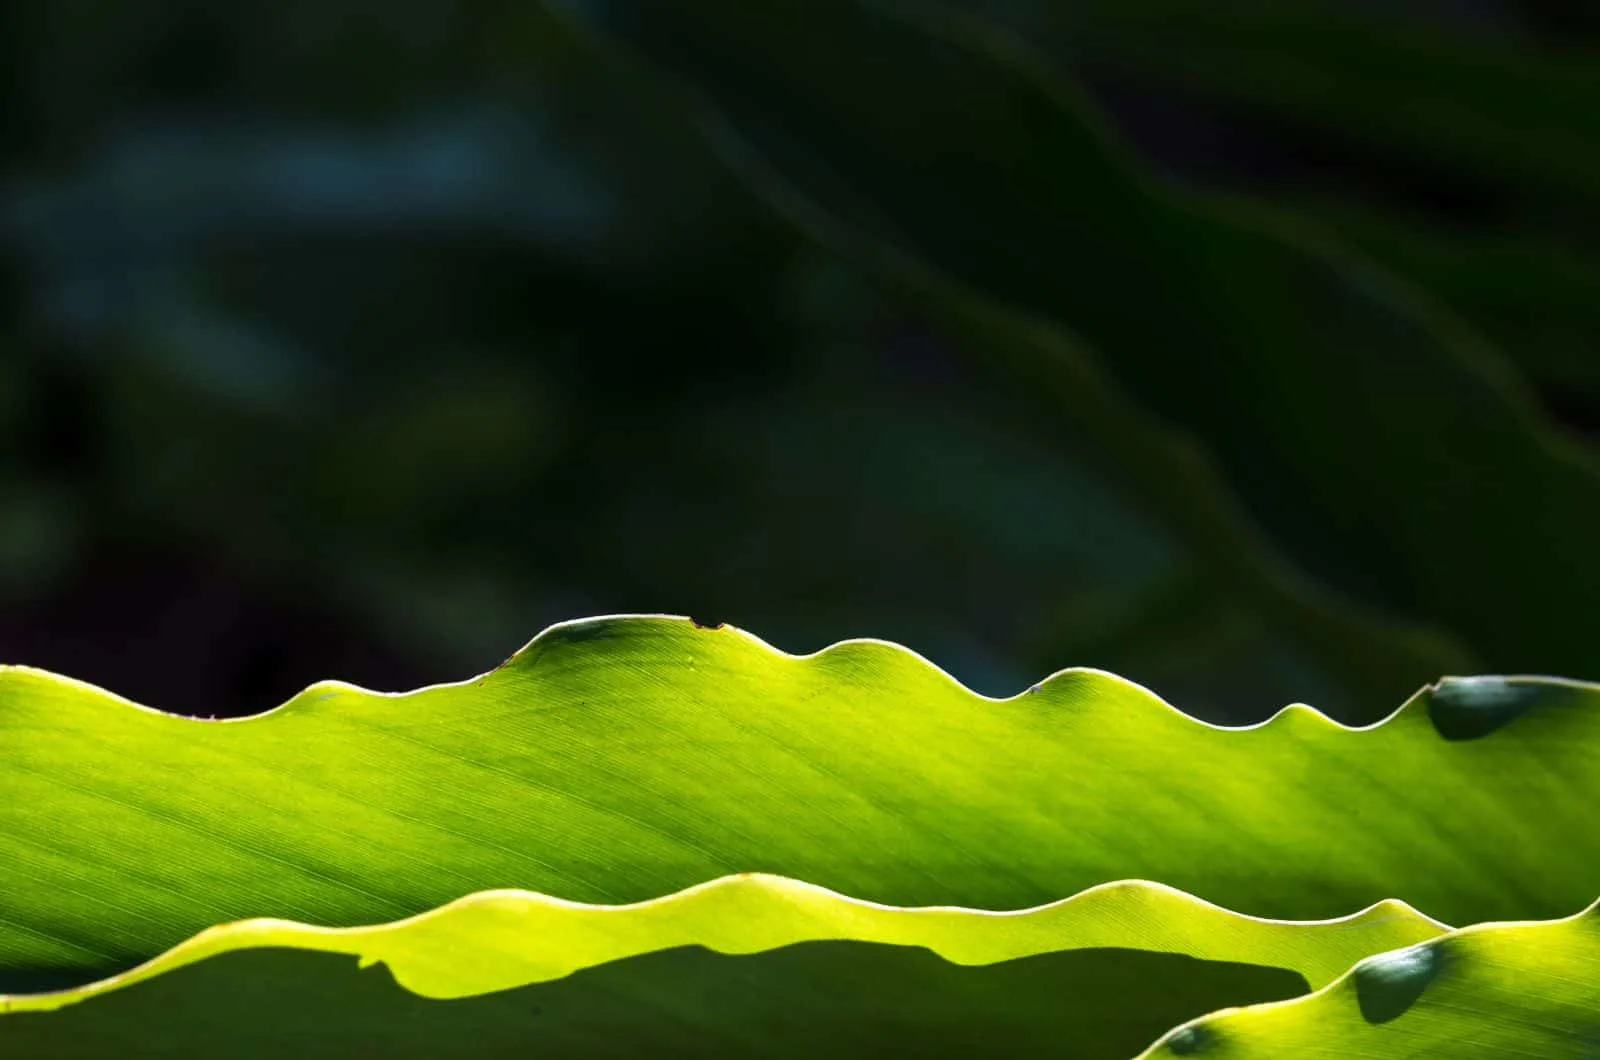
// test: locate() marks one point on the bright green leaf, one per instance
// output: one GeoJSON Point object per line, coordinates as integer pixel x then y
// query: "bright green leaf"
{"type": "Point", "coordinates": [618, 759]}
{"type": "Point", "coordinates": [1491, 992]}
{"type": "Point", "coordinates": [1108, 969]}
{"type": "Point", "coordinates": [499, 940]}
{"type": "Point", "coordinates": [814, 999]}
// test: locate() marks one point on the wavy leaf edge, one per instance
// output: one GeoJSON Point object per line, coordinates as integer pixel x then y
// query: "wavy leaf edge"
{"type": "Point", "coordinates": [507, 934]}
{"type": "Point", "coordinates": [1382, 987]}
{"type": "Point", "coordinates": [1456, 687]}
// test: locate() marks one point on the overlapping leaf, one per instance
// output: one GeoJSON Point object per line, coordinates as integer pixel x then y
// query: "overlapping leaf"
{"type": "Point", "coordinates": [498, 940]}
{"type": "Point", "coordinates": [1132, 958]}
{"type": "Point", "coordinates": [1492, 992]}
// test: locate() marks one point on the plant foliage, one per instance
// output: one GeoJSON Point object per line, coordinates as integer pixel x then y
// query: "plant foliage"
{"type": "Point", "coordinates": [618, 760]}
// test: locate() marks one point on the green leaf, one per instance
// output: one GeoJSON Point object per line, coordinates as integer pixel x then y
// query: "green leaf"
{"type": "Point", "coordinates": [1490, 992]}
{"type": "Point", "coordinates": [822, 998]}
{"type": "Point", "coordinates": [1108, 969]}
{"type": "Point", "coordinates": [1402, 455]}
{"type": "Point", "coordinates": [618, 759]}
{"type": "Point", "coordinates": [499, 940]}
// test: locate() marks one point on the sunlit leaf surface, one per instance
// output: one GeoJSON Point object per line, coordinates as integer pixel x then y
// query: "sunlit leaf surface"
{"type": "Point", "coordinates": [1492, 992]}
{"type": "Point", "coordinates": [1109, 970]}
{"type": "Point", "coordinates": [619, 759]}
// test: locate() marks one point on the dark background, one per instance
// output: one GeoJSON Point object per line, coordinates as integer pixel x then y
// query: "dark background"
{"type": "Point", "coordinates": [363, 339]}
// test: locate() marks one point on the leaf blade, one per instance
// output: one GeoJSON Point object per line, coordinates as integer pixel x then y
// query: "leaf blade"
{"type": "Point", "coordinates": [617, 759]}
{"type": "Point", "coordinates": [499, 940]}
{"type": "Point", "coordinates": [1487, 992]}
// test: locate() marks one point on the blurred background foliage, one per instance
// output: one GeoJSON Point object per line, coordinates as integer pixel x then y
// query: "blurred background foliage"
{"type": "Point", "coordinates": [1245, 349]}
